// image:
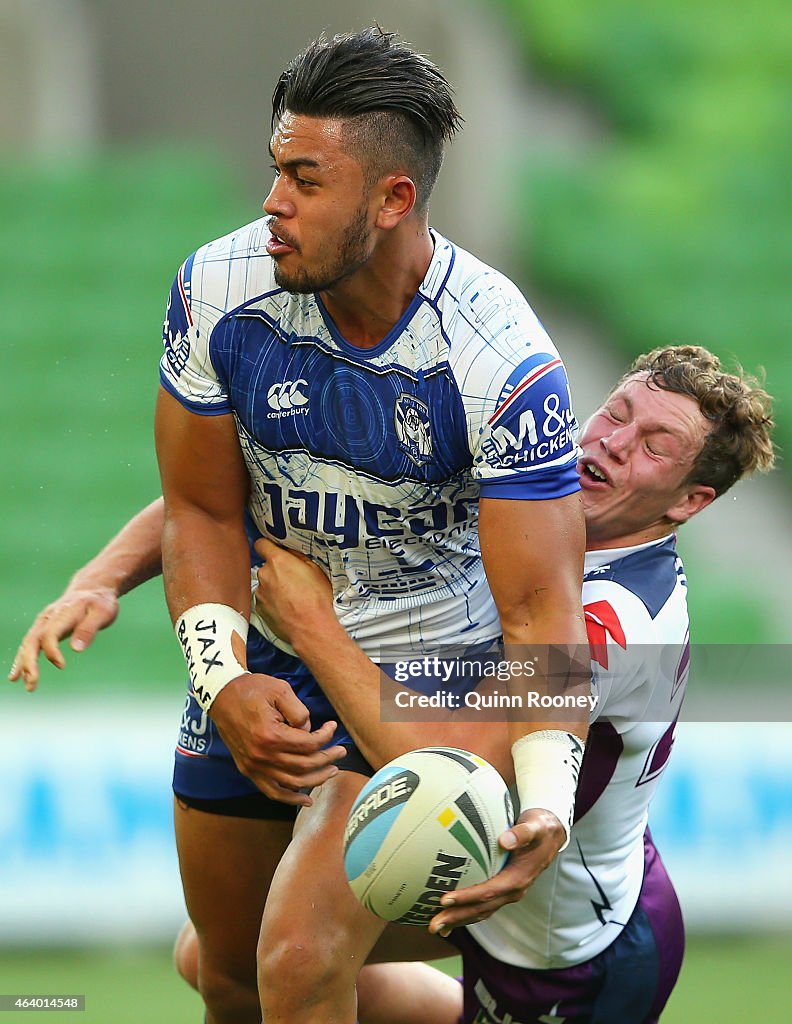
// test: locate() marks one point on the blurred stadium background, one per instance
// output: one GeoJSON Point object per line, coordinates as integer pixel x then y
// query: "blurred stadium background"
{"type": "Point", "coordinates": [625, 162]}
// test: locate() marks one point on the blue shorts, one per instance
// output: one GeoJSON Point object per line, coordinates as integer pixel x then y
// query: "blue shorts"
{"type": "Point", "coordinates": [627, 983]}
{"type": "Point", "coordinates": [205, 775]}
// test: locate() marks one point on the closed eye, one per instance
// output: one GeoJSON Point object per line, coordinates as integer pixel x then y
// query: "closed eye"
{"type": "Point", "coordinates": [653, 450]}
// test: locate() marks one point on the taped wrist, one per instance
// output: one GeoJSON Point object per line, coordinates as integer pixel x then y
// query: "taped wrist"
{"type": "Point", "coordinates": [546, 769]}
{"type": "Point", "coordinates": [206, 633]}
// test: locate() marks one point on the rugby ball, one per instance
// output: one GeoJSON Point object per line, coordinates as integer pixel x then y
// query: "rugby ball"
{"type": "Point", "coordinates": [425, 824]}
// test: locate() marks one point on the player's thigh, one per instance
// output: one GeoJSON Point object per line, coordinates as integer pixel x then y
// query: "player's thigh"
{"type": "Point", "coordinates": [227, 864]}
{"type": "Point", "coordinates": [311, 905]}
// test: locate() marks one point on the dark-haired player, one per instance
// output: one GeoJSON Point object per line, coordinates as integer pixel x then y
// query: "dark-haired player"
{"type": "Point", "coordinates": [599, 935]}
{"type": "Point", "coordinates": [343, 380]}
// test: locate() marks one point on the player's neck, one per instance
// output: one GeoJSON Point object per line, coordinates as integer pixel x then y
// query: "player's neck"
{"type": "Point", "coordinates": [604, 541]}
{"type": "Point", "coordinates": [367, 305]}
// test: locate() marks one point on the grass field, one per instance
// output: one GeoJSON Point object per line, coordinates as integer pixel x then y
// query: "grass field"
{"type": "Point", "coordinates": [730, 981]}
{"type": "Point", "coordinates": [87, 254]}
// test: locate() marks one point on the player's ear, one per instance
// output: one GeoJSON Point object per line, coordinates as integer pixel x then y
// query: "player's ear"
{"type": "Point", "coordinates": [396, 195]}
{"type": "Point", "coordinates": [693, 499]}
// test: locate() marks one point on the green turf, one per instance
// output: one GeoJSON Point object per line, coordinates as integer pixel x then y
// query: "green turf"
{"type": "Point", "coordinates": [733, 981]}
{"type": "Point", "coordinates": [120, 986]}
{"type": "Point", "coordinates": [728, 981]}
{"type": "Point", "coordinates": [670, 227]}
{"type": "Point", "coordinates": [87, 255]}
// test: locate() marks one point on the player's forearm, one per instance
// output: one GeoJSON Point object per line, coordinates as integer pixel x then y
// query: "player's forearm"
{"type": "Point", "coordinates": [132, 557]}
{"type": "Point", "coordinates": [205, 560]}
{"type": "Point", "coordinates": [207, 588]}
{"type": "Point", "coordinates": [550, 633]}
{"type": "Point", "coordinates": [547, 743]}
{"type": "Point", "coordinates": [533, 554]}
{"type": "Point", "coordinates": [354, 684]}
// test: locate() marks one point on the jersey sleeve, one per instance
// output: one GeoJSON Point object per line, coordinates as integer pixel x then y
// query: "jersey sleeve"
{"type": "Point", "coordinates": [522, 431]}
{"type": "Point", "coordinates": [186, 368]}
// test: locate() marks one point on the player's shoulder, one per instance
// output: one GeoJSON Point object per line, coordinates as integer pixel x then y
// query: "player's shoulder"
{"type": "Point", "coordinates": [493, 334]}
{"type": "Point", "coordinates": [249, 240]}
{"type": "Point", "coordinates": [229, 271]}
{"type": "Point", "coordinates": [632, 595]}
{"type": "Point", "coordinates": [651, 573]}
{"type": "Point", "coordinates": [467, 290]}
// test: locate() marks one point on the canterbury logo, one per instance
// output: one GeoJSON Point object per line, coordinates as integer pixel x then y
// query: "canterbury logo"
{"type": "Point", "coordinates": [287, 395]}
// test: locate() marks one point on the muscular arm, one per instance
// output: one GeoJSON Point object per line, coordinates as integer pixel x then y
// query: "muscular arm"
{"type": "Point", "coordinates": [538, 598]}
{"type": "Point", "coordinates": [132, 557]}
{"type": "Point", "coordinates": [533, 557]}
{"type": "Point", "coordinates": [206, 561]}
{"type": "Point", "coordinates": [295, 597]}
{"type": "Point", "coordinates": [90, 601]}
{"type": "Point", "coordinates": [204, 486]}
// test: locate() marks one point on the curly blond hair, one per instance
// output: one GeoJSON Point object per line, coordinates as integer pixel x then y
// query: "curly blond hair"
{"type": "Point", "coordinates": [736, 404]}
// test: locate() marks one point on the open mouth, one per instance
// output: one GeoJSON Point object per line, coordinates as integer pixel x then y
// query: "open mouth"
{"type": "Point", "coordinates": [592, 472]}
{"type": "Point", "coordinates": [278, 244]}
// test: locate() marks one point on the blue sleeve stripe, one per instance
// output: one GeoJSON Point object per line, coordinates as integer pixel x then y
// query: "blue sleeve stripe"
{"type": "Point", "coordinates": [536, 486]}
{"type": "Point", "coordinates": [218, 409]}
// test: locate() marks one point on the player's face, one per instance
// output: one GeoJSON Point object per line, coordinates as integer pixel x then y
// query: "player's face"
{"type": "Point", "coordinates": [638, 449]}
{"type": "Point", "coordinates": [320, 223]}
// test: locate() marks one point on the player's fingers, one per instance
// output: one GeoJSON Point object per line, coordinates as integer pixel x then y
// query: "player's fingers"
{"type": "Point", "coordinates": [304, 779]}
{"type": "Point", "coordinates": [278, 762]}
{"type": "Point", "coordinates": [269, 550]}
{"type": "Point", "coordinates": [287, 741]}
{"type": "Point", "coordinates": [85, 630]}
{"type": "Point", "coordinates": [25, 664]}
{"type": "Point", "coordinates": [285, 796]}
{"type": "Point", "coordinates": [502, 886]}
{"type": "Point", "coordinates": [266, 548]}
{"type": "Point", "coordinates": [324, 734]}
{"type": "Point", "coordinates": [472, 907]}
{"type": "Point", "coordinates": [28, 673]}
{"type": "Point", "coordinates": [477, 902]}
{"type": "Point", "coordinates": [57, 626]}
{"type": "Point", "coordinates": [292, 708]}
{"type": "Point", "coordinates": [521, 836]}
{"type": "Point", "coordinates": [23, 668]}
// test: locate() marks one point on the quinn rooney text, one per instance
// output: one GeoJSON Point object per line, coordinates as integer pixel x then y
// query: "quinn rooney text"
{"type": "Point", "coordinates": [481, 701]}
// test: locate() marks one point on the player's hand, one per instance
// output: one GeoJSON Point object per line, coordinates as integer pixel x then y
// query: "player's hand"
{"type": "Point", "coordinates": [533, 842]}
{"type": "Point", "coordinates": [268, 732]}
{"type": "Point", "coordinates": [79, 613]}
{"type": "Point", "coordinates": [292, 592]}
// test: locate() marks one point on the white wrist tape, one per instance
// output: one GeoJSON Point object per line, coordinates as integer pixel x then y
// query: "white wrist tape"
{"type": "Point", "coordinates": [205, 633]}
{"type": "Point", "coordinates": [546, 769]}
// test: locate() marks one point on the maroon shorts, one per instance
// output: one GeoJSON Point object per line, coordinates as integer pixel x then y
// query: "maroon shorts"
{"type": "Point", "coordinates": [629, 982]}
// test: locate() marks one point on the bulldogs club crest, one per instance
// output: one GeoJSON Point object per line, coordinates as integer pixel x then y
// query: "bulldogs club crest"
{"type": "Point", "coordinates": [411, 417]}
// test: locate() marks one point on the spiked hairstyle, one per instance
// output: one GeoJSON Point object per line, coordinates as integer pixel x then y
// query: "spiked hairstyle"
{"type": "Point", "coordinates": [397, 108]}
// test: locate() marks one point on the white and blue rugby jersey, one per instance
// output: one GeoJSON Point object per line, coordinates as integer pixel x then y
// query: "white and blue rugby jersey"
{"type": "Point", "coordinates": [635, 602]}
{"type": "Point", "coordinates": [372, 461]}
